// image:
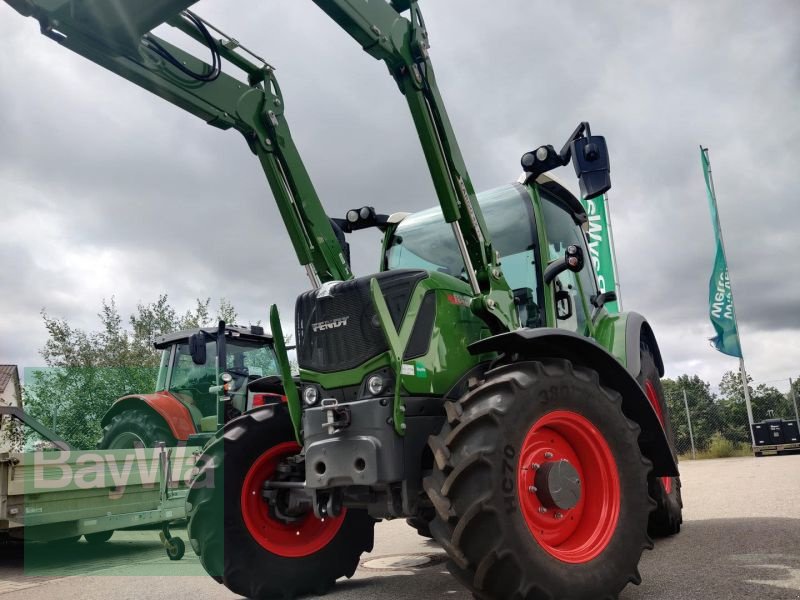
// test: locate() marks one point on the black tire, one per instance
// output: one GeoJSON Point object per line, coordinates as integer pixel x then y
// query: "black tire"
{"type": "Point", "coordinates": [667, 517]}
{"type": "Point", "coordinates": [220, 537]}
{"type": "Point", "coordinates": [100, 537]}
{"type": "Point", "coordinates": [478, 476]}
{"type": "Point", "coordinates": [176, 549]}
{"type": "Point", "coordinates": [134, 426]}
{"type": "Point", "coordinates": [422, 522]}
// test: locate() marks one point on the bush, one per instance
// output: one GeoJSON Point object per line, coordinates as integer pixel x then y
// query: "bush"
{"type": "Point", "coordinates": [721, 447]}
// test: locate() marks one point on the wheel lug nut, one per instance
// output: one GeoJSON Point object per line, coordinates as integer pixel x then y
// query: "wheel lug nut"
{"type": "Point", "coordinates": [542, 509]}
{"type": "Point", "coordinates": [558, 515]}
{"type": "Point", "coordinates": [548, 455]}
{"type": "Point", "coordinates": [532, 489]}
{"type": "Point", "coordinates": [535, 466]}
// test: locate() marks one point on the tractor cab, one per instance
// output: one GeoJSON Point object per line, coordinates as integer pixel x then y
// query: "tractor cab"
{"type": "Point", "coordinates": [192, 365]}
{"type": "Point", "coordinates": [532, 227]}
{"type": "Point", "coordinates": [206, 377]}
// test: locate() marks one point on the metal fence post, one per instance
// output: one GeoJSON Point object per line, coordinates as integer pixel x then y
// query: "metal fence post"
{"type": "Point", "coordinates": [794, 401]}
{"type": "Point", "coordinates": [689, 420]}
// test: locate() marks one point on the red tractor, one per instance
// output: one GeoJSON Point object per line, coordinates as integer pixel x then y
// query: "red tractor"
{"type": "Point", "coordinates": [187, 404]}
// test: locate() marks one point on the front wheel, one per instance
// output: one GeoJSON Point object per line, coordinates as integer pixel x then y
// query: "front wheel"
{"type": "Point", "coordinates": [245, 543]}
{"type": "Point", "coordinates": [540, 487]}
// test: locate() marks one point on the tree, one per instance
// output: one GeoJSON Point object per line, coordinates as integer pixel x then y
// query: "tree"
{"type": "Point", "coordinates": [702, 409]}
{"type": "Point", "coordinates": [87, 370]}
{"type": "Point", "coordinates": [732, 407]}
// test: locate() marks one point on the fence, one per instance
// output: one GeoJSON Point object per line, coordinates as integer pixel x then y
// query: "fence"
{"type": "Point", "coordinates": [706, 426]}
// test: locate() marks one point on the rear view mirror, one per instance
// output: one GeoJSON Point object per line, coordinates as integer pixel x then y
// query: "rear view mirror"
{"type": "Point", "coordinates": [197, 348]}
{"type": "Point", "coordinates": [592, 165]}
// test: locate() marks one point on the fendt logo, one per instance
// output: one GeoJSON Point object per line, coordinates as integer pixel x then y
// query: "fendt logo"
{"type": "Point", "coordinates": [331, 324]}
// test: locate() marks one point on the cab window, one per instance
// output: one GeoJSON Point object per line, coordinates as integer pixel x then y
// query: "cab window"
{"type": "Point", "coordinates": [571, 290]}
{"type": "Point", "coordinates": [424, 241]}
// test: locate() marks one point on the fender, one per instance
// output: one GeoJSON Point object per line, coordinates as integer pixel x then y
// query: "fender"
{"type": "Point", "coordinates": [637, 331]}
{"type": "Point", "coordinates": [557, 343]}
{"type": "Point", "coordinates": [168, 407]}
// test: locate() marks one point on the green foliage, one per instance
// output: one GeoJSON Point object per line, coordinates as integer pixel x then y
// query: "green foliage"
{"type": "Point", "coordinates": [702, 407]}
{"type": "Point", "coordinates": [721, 447]}
{"type": "Point", "coordinates": [722, 417]}
{"type": "Point", "coordinates": [87, 370]}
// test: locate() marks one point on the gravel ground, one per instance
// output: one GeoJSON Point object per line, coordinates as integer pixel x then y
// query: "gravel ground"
{"type": "Point", "coordinates": [741, 539]}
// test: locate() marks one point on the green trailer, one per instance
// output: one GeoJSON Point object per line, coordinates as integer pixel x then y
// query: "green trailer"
{"type": "Point", "coordinates": [51, 492]}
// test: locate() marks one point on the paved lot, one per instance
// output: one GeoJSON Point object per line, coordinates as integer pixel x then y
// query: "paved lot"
{"type": "Point", "coordinates": [741, 539]}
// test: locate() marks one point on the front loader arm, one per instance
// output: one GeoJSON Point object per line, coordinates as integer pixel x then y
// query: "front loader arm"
{"type": "Point", "coordinates": [402, 43]}
{"type": "Point", "coordinates": [119, 38]}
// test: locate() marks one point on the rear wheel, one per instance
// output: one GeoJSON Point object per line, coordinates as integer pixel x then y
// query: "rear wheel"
{"type": "Point", "coordinates": [540, 487]}
{"type": "Point", "coordinates": [136, 428]}
{"type": "Point", "coordinates": [242, 541]}
{"type": "Point", "coordinates": [667, 517]}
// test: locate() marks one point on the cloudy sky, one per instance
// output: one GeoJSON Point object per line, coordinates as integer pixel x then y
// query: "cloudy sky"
{"type": "Point", "coordinates": [106, 190]}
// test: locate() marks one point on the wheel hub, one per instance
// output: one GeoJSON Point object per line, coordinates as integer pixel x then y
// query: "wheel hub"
{"type": "Point", "coordinates": [558, 485]}
{"type": "Point", "coordinates": [568, 486]}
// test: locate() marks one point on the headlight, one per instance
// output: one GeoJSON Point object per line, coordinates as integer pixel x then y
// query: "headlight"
{"type": "Point", "coordinates": [375, 384]}
{"type": "Point", "coordinates": [310, 395]}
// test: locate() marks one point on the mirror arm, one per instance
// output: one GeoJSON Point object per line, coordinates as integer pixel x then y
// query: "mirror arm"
{"type": "Point", "coordinates": [554, 269]}
{"type": "Point", "coordinates": [566, 151]}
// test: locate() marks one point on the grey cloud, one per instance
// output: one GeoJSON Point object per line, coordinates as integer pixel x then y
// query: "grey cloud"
{"type": "Point", "coordinates": [122, 170]}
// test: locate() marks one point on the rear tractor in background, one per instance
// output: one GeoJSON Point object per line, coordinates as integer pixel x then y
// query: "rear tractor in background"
{"type": "Point", "coordinates": [206, 377]}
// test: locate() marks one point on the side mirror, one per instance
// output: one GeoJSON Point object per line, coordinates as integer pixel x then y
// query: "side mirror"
{"type": "Point", "coordinates": [572, 261]}
{"type": "Point", "coordinates": [592, 165]}
{"type": "Point", "coordinates": [197, 348]}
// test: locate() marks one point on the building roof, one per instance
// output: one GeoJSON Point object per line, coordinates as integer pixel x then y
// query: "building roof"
{"type": "Point", "coordinates": [8, 373]}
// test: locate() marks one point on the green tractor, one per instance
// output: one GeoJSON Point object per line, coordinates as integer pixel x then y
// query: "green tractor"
{"type": "Point", "coordinates": [476, 385]}
{"type": "Point", "coordinates": [188, 405]}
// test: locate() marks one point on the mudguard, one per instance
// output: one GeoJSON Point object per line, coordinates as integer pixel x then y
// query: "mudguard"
{"type": "Point", "coordinates": [638, 330]}
{"type": "Point", "coordinates": [557, 343]}
{"type": "Point", "coordinates": [175, 414]}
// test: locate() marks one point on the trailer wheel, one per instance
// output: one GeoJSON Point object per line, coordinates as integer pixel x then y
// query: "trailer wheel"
{"type": "Point", "coordinates": [239, 539]}
{"type": "Point", "coordinates": [667, 517]}
{"type": "Point", "coordinates": [175, 548]}
{"type": "Point", "coordinates": [135, 427]}
{"type": "Point", "coordinates": [540, 487]}
{"type": "Point", "coordinates": [98, 538]}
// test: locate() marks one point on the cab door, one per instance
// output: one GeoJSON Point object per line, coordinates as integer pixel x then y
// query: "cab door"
{"type": "Point", "coordinates": [570, 292]}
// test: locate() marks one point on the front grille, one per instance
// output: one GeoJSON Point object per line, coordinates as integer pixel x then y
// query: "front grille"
{"type": "Point", "coordinates": [342, 331]}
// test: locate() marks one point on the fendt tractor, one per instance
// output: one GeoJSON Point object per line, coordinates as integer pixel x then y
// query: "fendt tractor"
{"type": "Point", "coordinates": [476, 385]}
{"type": "Point", "coordinates": [187, 406]}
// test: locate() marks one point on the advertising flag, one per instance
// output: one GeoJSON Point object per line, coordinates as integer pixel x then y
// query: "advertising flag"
{"type": "Point", "coordinates": [720, 296]}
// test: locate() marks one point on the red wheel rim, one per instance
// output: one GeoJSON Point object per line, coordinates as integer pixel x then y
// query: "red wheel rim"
{"type": "Point", "coordinates": [295, 540]}
{"type": "Point", "coordinates": [652, 396]}
{"type": "Point", "coordinates": [581, 533]}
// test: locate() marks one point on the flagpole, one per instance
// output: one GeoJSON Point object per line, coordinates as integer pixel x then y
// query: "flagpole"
{"type": "Point", "coordinates": [742, 370]}
{"type": "Point", "coordinates": [613, 253]}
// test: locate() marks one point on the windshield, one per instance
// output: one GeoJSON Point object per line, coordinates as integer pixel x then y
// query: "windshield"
{"type": "Point", "coordinates": [258, 359]}
{"type": "Point", "coordinates": [424, 241]}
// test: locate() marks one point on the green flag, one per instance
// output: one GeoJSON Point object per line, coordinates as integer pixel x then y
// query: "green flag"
{"type": "Point", "coordinates": [600, 250]}
{"type": "Point", "coordinates": [720, 296]}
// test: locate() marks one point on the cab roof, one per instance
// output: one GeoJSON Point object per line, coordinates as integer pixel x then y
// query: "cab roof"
{"type": "Point", "coordinates": [253, 333]}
